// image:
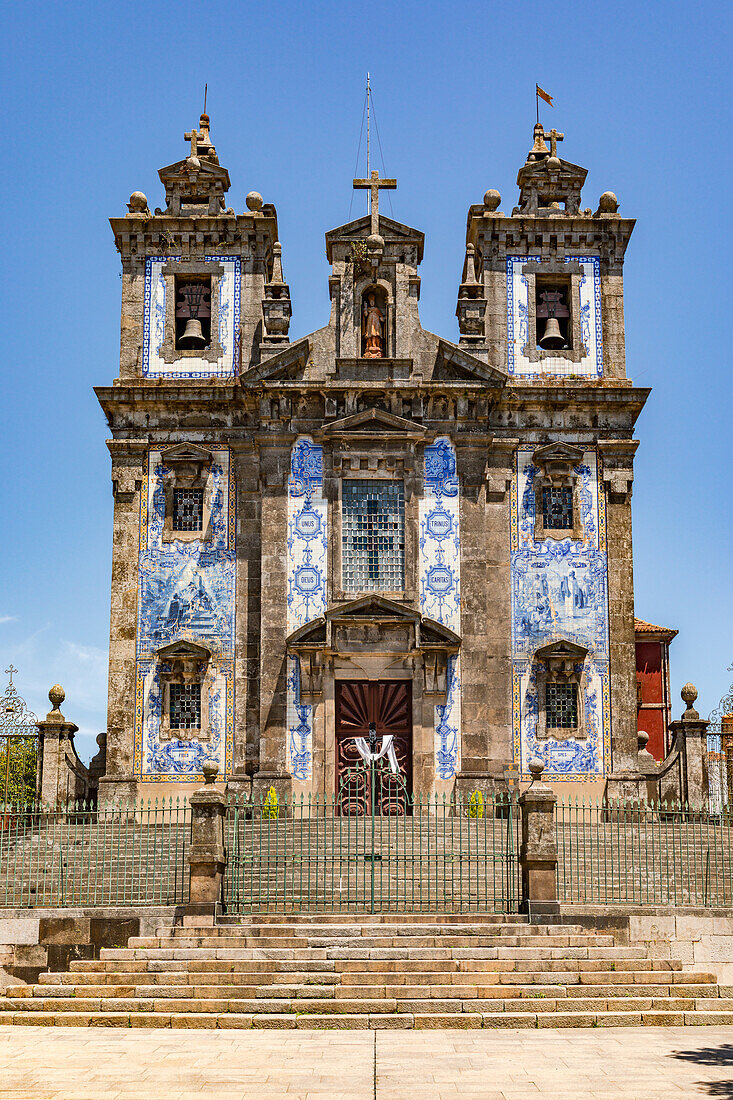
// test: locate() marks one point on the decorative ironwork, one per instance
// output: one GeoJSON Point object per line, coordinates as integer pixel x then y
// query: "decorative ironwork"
{"type": "Point", "coordinates": [18, 745]}
{"type": "Point", "coordinates": [720, 753]}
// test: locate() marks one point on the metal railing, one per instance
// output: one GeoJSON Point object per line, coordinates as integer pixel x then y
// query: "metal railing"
{"type": "Point", "coordinates": [434, 855]}
{"type": "Point", "coordinates": [130, 854]}
{"type": "Point", "coordinates": [630, 854]}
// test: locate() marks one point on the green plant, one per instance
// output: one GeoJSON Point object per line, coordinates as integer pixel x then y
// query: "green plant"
{"type": "Point", "coordinates": [476, 805]}
{"type": "Point", "coordinates": [269, 806]}
{"type": "Point", "coordinates": [21, 771]}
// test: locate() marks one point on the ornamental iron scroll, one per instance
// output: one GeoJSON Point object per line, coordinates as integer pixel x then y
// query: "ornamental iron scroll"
{"type": "Point", "coordinates": [18, 745]}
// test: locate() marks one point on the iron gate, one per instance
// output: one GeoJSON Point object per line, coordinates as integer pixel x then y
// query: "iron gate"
{"type": "Point", "coordinates": [307, 855]}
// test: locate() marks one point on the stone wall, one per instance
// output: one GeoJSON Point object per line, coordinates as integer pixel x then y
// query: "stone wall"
{"type": "Point", "coordinates": [33, 941]}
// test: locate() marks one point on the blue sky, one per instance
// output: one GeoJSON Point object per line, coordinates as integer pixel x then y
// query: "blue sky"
{"type": "Point", "coordinates": [96, 98]}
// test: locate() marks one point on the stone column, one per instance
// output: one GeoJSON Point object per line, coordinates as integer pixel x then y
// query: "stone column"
{"type": "Point", "coordinates": [690, 733]}
{"type": "Point", "coordinates": [59, 781]}
{"type": "Point", "coordinates": [538, 851]}
{"type": "Point", "coordinates": [206, 855]}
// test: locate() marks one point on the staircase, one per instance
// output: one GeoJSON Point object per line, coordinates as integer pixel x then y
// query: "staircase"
{"type": "Point", "coordinates": [385, 971]}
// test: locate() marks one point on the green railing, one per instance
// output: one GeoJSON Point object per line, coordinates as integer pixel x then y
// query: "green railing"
{"type": "Point", "coordinates": [430, 855]}
{"type": "Point", "coordinates": [131, 854]}
{"type": "Point", "coordinates": [627, 854]}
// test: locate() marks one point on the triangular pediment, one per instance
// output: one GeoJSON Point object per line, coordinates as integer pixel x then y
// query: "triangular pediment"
{"type": "Point", "coordinates": [392, 231]}
{"type": "Point", "coordinates": [563, 650]}
{"type": "Point", "coordinates": [373, 607]}
{"type": "Point", "coordinates": [373, 421]}
{"type": "Point", "coordinates": [184, 170]}
{"type": "Point", "coordinates": [185, 452]}
{"type": "Point", "coordinates": [458, 364]}
{"type": "Point", "coordinates": [290, 363]}
{"type": "Point", "coordinates": [558, 452]}
{"type": "Point", "coordinates": [566, 171]}
{"type": "Point", "coordinates": [183, 648]}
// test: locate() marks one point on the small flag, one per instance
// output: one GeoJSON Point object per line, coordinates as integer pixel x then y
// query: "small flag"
{"type": "Point", "coordinates": [543, 95]}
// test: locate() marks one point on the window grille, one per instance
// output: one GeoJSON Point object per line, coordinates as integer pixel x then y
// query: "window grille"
{"type": "Point", "coordinates": [373, 536]}
{"type": "Point", "coordinates": [185, 706]}
{"type": "Point", "coordinates": [188, 509]}
{"type": "Point", "coordinates": [557, 508]}
{"type": "Point", "coordinates": [561, 706]}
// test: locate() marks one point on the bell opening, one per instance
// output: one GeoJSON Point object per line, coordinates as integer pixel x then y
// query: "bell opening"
{"type": "Point", "coordinates": [553, 317]}
{"type": "Point", "coordinates": [193, 313]}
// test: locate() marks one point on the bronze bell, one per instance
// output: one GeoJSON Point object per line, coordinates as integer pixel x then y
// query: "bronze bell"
{"type": "Point", "coordinates": [193, 336]}
{"type": "Point", "coordinates": [552, 338]}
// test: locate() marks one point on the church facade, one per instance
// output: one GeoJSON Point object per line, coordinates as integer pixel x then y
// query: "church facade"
{"type": "Point", "coordinates": [371, 525]}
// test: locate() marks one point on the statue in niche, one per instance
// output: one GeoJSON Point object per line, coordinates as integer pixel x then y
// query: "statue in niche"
{"type": "Point", "coordinates": [372, 329]}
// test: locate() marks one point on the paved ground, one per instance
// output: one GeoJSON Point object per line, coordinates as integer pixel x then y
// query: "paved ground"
{"type": "Point", "coordinates": [56, 1063]}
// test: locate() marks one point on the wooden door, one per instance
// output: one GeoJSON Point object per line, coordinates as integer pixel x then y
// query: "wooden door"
{"type": "Point", "coordinates": [387, 703]}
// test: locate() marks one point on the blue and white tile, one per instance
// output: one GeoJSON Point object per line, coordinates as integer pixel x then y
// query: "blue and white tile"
{"type": "Point", "coordinates": [440, 585]}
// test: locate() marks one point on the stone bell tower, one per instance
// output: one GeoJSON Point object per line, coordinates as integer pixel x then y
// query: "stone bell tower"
{"type": "Point", "coordinates": [197, 279]}
{"type": "Point", "coordinates": [542, 298]}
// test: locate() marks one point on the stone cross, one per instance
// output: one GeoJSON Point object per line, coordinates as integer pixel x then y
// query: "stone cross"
{"type": "Point", "coordinates": [554, 137]}
{"type": "Point", "coordinates": [373, 185]}
{"type": "Point", "coordinates": [192, 136]}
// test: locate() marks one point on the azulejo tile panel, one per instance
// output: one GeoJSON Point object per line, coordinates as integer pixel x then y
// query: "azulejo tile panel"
{"type": "Point", "coordinates": [439, 580]}
{"type": "Point", "coordinates": [307, 557]}
{"type": "Point", "coordinates": [589, 305]}
{"type": "Point", "coordinates": [188, 366]}
{"type": "Point", "coordinates": [560, 592]}
{"type": "Point", "coordinates": [186, 590]}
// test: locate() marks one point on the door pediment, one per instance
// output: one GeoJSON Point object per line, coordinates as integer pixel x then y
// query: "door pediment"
{"type": "Point", "coordinates": [369, 632]}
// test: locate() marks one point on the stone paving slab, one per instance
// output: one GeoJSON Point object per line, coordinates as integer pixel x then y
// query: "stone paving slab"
{"type": "Point", "coordinates": [652, 1063]}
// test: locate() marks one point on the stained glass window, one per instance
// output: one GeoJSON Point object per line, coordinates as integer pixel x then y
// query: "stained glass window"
{"type": "Point", "coordinates": [188, 509]}
{"type": "Point", "coordinates": [557, 508]}
{"type": "Point", "coordinates": [561, 706]}
{"type": "Point", "coordinates": [373, 536]}
{"type": "Point", "coordinates": [185, 706]}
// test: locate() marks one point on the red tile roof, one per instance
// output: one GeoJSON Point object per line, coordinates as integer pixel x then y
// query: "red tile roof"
{"type": "Point", "coordinates": [641, 627]}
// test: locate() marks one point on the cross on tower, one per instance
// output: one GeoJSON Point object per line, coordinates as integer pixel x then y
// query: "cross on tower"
{"type": "Point", "coordinates": [373, 185]}
{"type": "Point", "coordinates": [554, 138]}
{"type": "Point", "coordinates": [192, 136]}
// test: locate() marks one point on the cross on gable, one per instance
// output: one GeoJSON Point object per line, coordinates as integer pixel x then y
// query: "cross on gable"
{"type": "Point", "coordinates": [373, 185]}
{"type": "Point", "coordinates": [553, 137]}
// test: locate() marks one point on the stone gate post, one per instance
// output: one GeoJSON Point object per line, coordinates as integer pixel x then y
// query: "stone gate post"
{"type": "Point", "coordinates": [690, 733]}
{"type": "Point", "coordinates": [206, 855]}
{"type": "Point", "coordinates": [538, 849]}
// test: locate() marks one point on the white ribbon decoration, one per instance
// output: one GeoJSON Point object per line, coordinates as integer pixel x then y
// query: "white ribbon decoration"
{"type": "Point", "coordinates": [387, 750]}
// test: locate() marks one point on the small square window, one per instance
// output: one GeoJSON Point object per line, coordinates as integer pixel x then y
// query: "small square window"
{"type": "Point", "coordinates": [193, 313]}
{"type": "Point", "coordinates": [557, 508]}
{"type": "Point", "coordinates": [561, 706]}
{"type": "Point", "coordinates": [373, 536]}
{"type": "Point", "coordinates": [188, 509]}
{"type": "Point", "coordinates": [185, 706]}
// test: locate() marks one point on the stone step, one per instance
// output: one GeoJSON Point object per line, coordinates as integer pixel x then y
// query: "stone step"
{"type": "Point", "coordinates": [362, 942]}
{"type": "Point", "coordinates": [374, 1021]}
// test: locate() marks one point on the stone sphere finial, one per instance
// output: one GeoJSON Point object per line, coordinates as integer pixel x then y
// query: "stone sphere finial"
{"type": "Point", "coordinates": [210, 768]}
{"type": "Point", "coordinates": [642, 738]}
{"type": "Point", "coordinates": [536, 767]}
{"type": "Point", "coordinates": [254, 201]}
{"type": "Point", "coordinates": [608, 203]}
{"type": "Point", "coordinates": [492, 199]}
{"type": "Point", "coordinates": [689, 694]}
{"type": "Point", "coordinates": [138, 203]}
{"type": "Point", "coordinates": [56, 696]}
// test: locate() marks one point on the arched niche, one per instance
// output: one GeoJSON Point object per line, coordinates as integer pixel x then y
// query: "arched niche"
{"type": "Point", "coordinates": [373, 313]}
